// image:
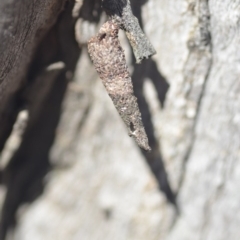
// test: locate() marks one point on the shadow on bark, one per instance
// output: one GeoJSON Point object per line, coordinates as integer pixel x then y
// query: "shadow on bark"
{"type": "Point", "coordinates": [42, 95]}
{"type": "Point", "coordinates": [148, 69]}
{"type": "Point", "coordinates": [25, 172]}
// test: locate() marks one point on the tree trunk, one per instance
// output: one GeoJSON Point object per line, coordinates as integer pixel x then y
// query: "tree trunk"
{"type": "Point", "coordinates": [69, 170]}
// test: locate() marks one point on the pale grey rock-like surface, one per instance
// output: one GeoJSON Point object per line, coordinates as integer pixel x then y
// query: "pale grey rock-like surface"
{"type": "Point", "coordinates": [209, 196]}
{"type": "Point", "coordinates": [101, 186]}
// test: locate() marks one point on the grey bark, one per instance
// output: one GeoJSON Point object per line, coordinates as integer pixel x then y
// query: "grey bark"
{"type": "Point", "coordinates": [100, 185]}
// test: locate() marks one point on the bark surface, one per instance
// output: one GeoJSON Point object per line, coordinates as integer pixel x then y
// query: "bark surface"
{"type": "Point", "coordinates": [69, 169]}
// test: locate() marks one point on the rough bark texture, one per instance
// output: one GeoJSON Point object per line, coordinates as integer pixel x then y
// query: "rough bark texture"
{"type": "Point", "coordinates": [101, 185]}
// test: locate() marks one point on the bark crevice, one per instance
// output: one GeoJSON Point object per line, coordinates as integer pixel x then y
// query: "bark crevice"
{"type": "Point", "coordinates": [200, 48]}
